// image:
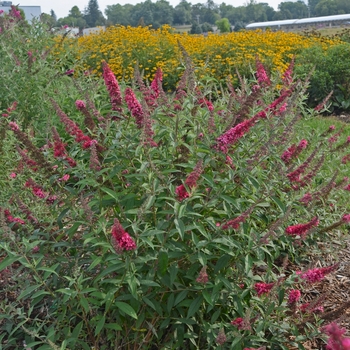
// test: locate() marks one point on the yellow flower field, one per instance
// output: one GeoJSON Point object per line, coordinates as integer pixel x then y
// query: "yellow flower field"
{"type": "Point", "coordinates": [215, 55]}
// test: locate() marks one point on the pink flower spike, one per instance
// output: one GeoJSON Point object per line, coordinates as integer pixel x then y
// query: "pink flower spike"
{"type": "Point", "coordinates": [294, 296]}
{"type": "Point", "coordinates": [307, 198]}
{"type": "Point", "coordinates": [181, 193]}
{"type": "Point", "coordinates": [261, 74]}
{"type": "Point", "coordinates": [221, 338]}
{"type": "Point", "coordinates": [121, 240]}
{"type": "Point", "coordinates": [303, 144]}
{"type": "Point", "coordinates": [203, 276]}
{"type": "Point", "coordinates": [190, 182]}
{"type": "Point", "coordinates": [80, 104]}
{"type": "Point", "coordinates": [13, 175]}
{"type": "Point", "coordinates": [13, 126]}
{"type": "Point", "coordinates": [238, 322]}
{"type": "Point", "coordinates": [64, 178]}
{"type": "Point", "coordinates": [263, 288]}
{"type": "Point", "coordinates": [112, 87]}
{"type": "Point", "coordinates": [302, 229]}
{"type": "Point", "coordinates": [346, 218]}
{"type": "Point", "coordinates": [317, 274]}
{"type": "Point", "coordinates": [134, 107]}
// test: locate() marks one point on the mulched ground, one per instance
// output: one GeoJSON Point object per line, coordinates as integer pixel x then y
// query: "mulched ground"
{"type": "Point", "coordinates": [333, 292]}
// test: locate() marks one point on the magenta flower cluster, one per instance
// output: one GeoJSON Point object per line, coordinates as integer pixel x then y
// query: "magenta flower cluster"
{"type": "Point", "coordinates": [294, 296]}
{"type": "Point", "coordinates": [293, 151]}
{"type": "Point", "coordinates": [156, 82]}
{"type": "Point", "coordinates": [263, 288]}
{"type": "Point", "coordinates": [59, 149]}
{"type": "Point", "coordinates": [234, 134]}
{"type": "Point", "coordinates": [301, 229]}
{"type": "Point", "coordinates": [336, 340]}
{"type": "Point", "coordinates": [203, 276]}
{"type": "Point", "coordinates": [112, 87]}
{"type": "Point", "coordinates": [263, 79]}
{"type": "Point", "coordinates": [121, 240]}
{"type": "Point", "coordinates": [134, 106]}
{"type": "Point", "coordinates": [317, 274]}
{"type": "Point", "coordinates": [11, 219]}
{"type": "Point", "coordinates": [72, 128]}
{"type": "Point", "coordinates": [190, 182]}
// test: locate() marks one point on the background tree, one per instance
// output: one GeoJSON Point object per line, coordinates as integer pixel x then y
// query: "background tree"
{"type": "Point", "coordinates": [47, 19]}
{"type": "Point", "coordinates": [223, 25]}
{"type": "Point", "coordinates": [343, 6]}
{"type": "Point", "coordinates": [293, 10]}
{"type": "Point", "coordinates": [93, 16]}
{"type": "Point", "coordinates": [311, 5]}
{"type": "Point", "coordinates": [256, 12]}
{"type": "Point", "coordinates": [210, 12]}
{"type": "Point", "coordinates": [326, 8]}
{"type": "Point", "coordinates": [206, 27]}
{"type": "Point", "coordinates": [53, 15]}
{"type": "Point", "coordinates": [198, 11]}
{"type": "Point", "coordinates": [74, 19]}
{"type": "Point", "coordinates": [234, 14]}
{"type": "Point", "coordinates": [163, 13]}
{"type": "Point", "coordinates": [142, 10]}
{"type": "Point", "coordinates": [119, 14]}
{"type": "Point", "coordinates": [182, 13]}
{"type": "Point", "coordinates": [195, 29]}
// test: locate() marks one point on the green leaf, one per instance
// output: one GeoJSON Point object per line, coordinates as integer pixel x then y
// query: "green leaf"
{"type": "Point", "coordinates": [126, 308]}
{"type": "Point", "coordinates": [222, 262]}
{"type": "Point", "coordinates": [100, 324]}
{"type": "Point", "coordinates": [279, 203]}
{"type": "Point", "coordinates": [173, 272]}
{"type": "Point", "coordinates": [195, 305]}
{"type": "Point", "coordinates": [180, 227]}
{"type": "Point", "coordinates": [71, 231]}
{"type": "Point", "coordinates": [77, 329]}
{"type": "Point", "coordinates": [215, 315]}
{"type": "Point", "coordinates": [84, 303]}
{"type": "Point", "coordinates": [170, 302]}
{"type": "Point", "coordinates": [281, 296]}
{"type": "Point", "coordinates": [28, 290]}
{"type": "Point", "coordinates": [239, 306]}
{"type": "Point", "coordinates": [162, 262]}
{"type": "Point", "coordinates": [181, 296]}
{"type": "Point", "coordinates": [207, 297]}
{"type": "Point", "coordinates": [149, 283]}
{"type": "Point", "coordinates": [61, 216]}
{"type": "Point", "coordinates": [254, 182]}
{"type": "Point", "coordinates": [133, 283]}
{"type": "Point", "coordinates": [149, 303]}
{"type": "Point", "coordinates": [248, 263]}
{"type": "Point", "coordinates": [114, 326]}
{"type": "Point", "coordinates": [49, 270]}
{"type": "Point", "coordinates": [7, 261]}
{"type": "Point", "coordinates": [111, 193]}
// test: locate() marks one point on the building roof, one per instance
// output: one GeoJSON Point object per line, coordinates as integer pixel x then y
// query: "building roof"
{"type": "Point", "coordinates": [29, 11]}
{"type": "Point", "coordinates": [299, 21]}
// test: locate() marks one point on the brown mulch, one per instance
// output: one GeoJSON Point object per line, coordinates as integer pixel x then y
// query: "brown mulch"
{"type": "Point", "coordinates": [333, 292]}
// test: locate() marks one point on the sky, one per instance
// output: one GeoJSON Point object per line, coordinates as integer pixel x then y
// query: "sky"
{"type": "Point", "coordinates": [62, 7]}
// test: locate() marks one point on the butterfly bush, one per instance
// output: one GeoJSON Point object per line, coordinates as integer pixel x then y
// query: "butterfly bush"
{"type": "Point", "coordinates": [152, 219]}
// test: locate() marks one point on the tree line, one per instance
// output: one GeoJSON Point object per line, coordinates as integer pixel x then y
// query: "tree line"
{"type": "Point", "coordinates": [202, 16]}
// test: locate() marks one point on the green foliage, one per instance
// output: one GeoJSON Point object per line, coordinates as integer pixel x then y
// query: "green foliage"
{"type": "Point", "coordinates": [223, 25]}
{"type": "Point", "coordinates": [67, 282]}
{"type": "Point", "coordinates": [196, 29]}
{"type": "Point", "coordinates": [93, 16]}
{"type": "Point", "coordinates": [29, 71]}
{"type": "Point", "coordinates": [206, 27]}
{"type": "Point", "coordinates": [332, 73]}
